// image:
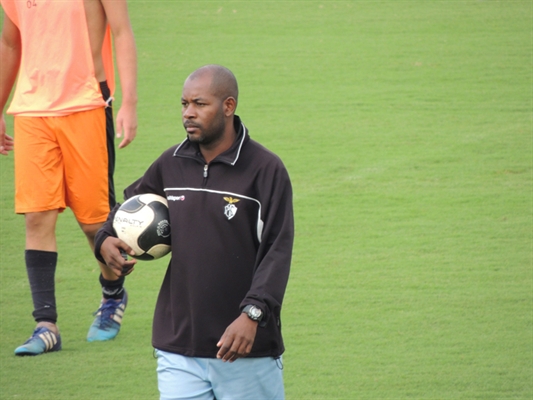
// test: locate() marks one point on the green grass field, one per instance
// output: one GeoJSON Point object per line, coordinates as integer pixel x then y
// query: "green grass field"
{"type": "Point", "coordinates": [406, 127]}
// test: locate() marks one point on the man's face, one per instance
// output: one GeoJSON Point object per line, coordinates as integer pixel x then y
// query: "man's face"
{"type": "Point", "coordinates": [202, 112]}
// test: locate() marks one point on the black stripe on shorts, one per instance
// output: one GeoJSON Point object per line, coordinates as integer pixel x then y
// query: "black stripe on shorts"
{"type": "Point", "coordinates": [110, 134]}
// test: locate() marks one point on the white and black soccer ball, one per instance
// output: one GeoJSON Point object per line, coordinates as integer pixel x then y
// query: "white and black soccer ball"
{"type": "Point", "coordinates": [143, 223]}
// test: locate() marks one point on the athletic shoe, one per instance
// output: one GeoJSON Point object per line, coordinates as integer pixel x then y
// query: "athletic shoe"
{"type": "Point", "coordinates": [108, 319]}
{"type": "Point", "coordinates": [42, 341]}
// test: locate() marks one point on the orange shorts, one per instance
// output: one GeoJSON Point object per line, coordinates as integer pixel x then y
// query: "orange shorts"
{"type": "Point", "coordinates": [63, 162]}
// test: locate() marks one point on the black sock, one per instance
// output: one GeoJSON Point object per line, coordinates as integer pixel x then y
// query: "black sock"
{"type": "Point", "coordinates": [41, 268]}
{"type": "Point", "coordinates": [112, 289]}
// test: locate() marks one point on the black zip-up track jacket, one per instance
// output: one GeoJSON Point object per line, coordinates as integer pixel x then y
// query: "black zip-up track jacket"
{"type": "Point", "coordinates": [232, 233]}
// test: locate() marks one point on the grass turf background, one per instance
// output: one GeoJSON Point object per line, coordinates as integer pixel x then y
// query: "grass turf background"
{"type": "Point", "coordinates": [406, 128]}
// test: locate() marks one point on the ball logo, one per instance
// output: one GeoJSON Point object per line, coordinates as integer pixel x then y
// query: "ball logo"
{"type": "Point", "coordinates": [163, 229]}
{"type": "Point", "coordinates": [230, 209]}
{"type": "Point", "coordinates": [134, 223]}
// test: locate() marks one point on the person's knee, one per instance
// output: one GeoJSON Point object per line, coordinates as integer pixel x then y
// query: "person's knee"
{"type": "Point", "coordinates": [41, 221]}
{"type": "Point", "coordinates": [40, 230]}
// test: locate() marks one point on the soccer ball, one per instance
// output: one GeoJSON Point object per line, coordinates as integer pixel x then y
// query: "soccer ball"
{"type": "Point", "coordinates": [142, 222]}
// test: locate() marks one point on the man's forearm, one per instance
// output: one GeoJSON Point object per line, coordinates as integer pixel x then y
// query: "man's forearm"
{"type": "Point", "coordinates": [126, 55]}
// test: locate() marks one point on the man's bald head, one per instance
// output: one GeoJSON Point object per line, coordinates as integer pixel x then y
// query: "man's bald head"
{"type": "Point", "coordinates": [223, 82]}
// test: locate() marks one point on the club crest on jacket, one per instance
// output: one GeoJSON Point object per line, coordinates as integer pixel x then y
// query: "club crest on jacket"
{"type": "Point", "coordinates": [230, 209]}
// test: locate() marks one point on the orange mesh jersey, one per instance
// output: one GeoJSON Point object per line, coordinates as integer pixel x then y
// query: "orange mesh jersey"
{"type": "Point", "coordinates": [56, 75]}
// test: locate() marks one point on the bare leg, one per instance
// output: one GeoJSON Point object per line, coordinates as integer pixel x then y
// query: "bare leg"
{"type": "Point", "coordinates": [90, 231]}
{"type": "Point", "coordinates": [41, 230]}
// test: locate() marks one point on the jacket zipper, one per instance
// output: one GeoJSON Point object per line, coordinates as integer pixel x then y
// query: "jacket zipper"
{"type": "Point", "coordinates": [206, 166]}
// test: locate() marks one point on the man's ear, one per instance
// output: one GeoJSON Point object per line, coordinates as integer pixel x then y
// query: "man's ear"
{"type": "Point", "coordinates": [230, 105]}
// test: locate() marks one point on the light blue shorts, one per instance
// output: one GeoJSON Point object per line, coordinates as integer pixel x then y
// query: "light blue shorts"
{"type": "Point", "coordinates": [182, 377]}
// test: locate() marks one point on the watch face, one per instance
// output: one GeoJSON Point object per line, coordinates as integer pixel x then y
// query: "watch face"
{"type": "Point", "coordinates": [255, 313]}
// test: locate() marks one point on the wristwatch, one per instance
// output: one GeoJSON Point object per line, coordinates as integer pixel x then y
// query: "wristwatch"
{"type": "Point", "coordinates": [253, 312]}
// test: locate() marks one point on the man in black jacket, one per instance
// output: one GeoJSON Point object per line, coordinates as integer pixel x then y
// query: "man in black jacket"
{"type": "Point", "coordinates": [217, 328]}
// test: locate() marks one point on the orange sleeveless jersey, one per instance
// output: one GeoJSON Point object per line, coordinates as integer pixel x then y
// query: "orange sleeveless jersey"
{"type": "Point", "coordinates": [56, 75]}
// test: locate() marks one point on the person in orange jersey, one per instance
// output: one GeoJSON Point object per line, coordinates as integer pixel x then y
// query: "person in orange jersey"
{"type": "Point", "coordinates": [60, 55]}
